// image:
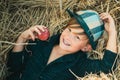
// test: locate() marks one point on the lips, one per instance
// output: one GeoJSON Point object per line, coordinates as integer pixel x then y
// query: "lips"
{"type": "Point", "coordinates": [66, 42]}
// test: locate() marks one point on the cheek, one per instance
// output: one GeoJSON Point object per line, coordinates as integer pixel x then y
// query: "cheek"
{"type": "Point", "coordinates": [79, 45]}
{"type": "Point", "coordinates": [76, 47]}
{"type": "Point", "coordinates": [64, 33]}
{"type": "Point", "coordinates": [61, 37]}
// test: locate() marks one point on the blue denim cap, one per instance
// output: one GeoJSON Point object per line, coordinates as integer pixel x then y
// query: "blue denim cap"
{"type": "Point", "coordinates": [90, 21]}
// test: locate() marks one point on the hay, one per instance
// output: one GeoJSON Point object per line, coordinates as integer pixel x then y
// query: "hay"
{"type": "Point", "coordinates": [18, 15]}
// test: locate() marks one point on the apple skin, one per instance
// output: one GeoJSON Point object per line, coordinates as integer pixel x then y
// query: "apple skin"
{"type": "Point", "coordinates": [44, 34]}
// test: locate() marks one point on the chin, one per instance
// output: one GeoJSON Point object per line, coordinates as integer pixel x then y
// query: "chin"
{"type": "Point", "coordinates": [62, 46]}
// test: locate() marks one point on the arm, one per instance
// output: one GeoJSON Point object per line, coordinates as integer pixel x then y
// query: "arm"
{"type": "Point", "coordinates": [16, 60]}
{"type": "Point", "coordinates": [106, 63]}
{"type": "Point", "coordinates": [18, 56]}
{"type": "Point", "coordinates": [26, 35]}
{"type": "Point", "coordinates": [86, 66]}
{"type": "Point", "coordinates": [110, 29]}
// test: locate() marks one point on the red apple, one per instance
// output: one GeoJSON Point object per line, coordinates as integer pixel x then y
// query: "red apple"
{"type": "Point", "coordinates": [44, 34]}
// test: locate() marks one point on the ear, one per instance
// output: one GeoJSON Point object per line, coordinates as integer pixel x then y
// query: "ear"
{"type": "Point", "coordinates": [87, 48]}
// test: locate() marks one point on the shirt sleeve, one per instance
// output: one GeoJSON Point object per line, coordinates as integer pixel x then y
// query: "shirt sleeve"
{"type": "Point", "coordinates": [17, 60]}
{"type": "Point", "coordinates": [95, 66]}
{"type": "Point", "coordinates": [104, 65]}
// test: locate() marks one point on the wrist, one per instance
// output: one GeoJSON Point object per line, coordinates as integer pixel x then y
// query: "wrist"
{"type": "Point", "coordinates": [113, 33]}
{"type": "Point", "coordinates": [18, 48]}
{"type": "Point", "coordinates": [21, 40]}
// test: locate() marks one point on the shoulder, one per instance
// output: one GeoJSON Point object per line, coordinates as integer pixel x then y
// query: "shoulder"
{"type": "Point", "coordinates": [36, 44]}
{"type": "Point", "coordinates": [54, 38]}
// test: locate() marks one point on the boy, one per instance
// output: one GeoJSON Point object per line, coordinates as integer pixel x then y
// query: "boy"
{"type": "Point", "coordinates": [51, 60]}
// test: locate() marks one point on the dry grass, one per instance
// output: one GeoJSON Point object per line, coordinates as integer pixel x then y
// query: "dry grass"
{"type": "Point", "coordinates": [18, 15]}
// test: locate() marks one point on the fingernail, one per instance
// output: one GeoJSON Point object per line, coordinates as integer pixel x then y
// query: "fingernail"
{"type": "Point", "coordinates": [43, 30]}
{"type": "Point", "coordinates": [39, 33]}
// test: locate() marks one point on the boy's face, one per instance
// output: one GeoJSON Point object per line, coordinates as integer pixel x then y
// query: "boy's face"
{"type": "Point", "coordinates": [73, 38]}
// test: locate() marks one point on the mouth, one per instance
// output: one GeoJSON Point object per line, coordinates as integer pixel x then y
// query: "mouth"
{"type": "Point", "coordinates": [66, 42]}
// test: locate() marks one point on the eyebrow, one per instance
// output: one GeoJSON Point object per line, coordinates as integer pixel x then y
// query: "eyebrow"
{"type": "Point", "coordinates": [79, 33]}
{"type": "Point", "coordinates": [74, 26]}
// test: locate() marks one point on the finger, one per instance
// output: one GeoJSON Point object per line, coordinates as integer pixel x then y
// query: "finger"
{"type": "Point", "coordinates": [41, 27]}
{"type": "Point", "coordinates": [32, 29]}
{"type": "Point", "coordinates": [37, 31]}
{"type": "Point", "coordinates": [102, 15]}
{"type": "Point", "coordinates": [32, 35]}
{"type": "Point", "coordinates": [36, 36]}
{"type": "Point", "coordinates": [105, 18]}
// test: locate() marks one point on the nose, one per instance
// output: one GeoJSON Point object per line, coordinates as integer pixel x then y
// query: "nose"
{"type": "Point", "coordinates": [70, 36]}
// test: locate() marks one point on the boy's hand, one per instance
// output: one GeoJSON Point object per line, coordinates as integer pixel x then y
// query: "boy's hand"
{"type": "Point", "coordinates": [108, 23]}
{"type": "Point", "coordinates": [31, 33]}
